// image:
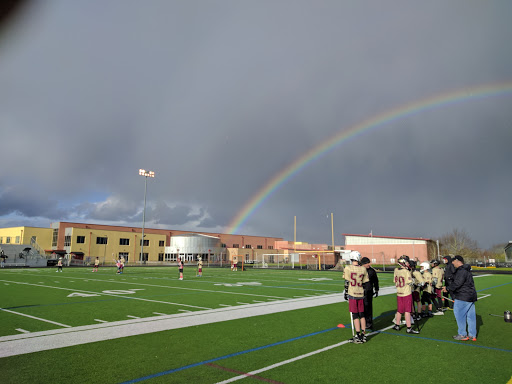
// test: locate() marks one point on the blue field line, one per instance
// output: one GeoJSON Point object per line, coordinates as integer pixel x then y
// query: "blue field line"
{"type": "Point", "coordinates": [225, 357]}
{"type": "Point", "coordinates": [496, 286]}
{"type": "Point", "coordinates": [465, 344]}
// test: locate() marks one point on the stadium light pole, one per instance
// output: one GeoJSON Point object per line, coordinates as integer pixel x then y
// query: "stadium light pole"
{"type": "Point", "coordinates": [146, 174]}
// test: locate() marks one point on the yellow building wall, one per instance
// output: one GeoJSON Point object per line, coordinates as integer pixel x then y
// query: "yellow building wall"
{"type": "Point", "coordinates": [110, 251]}
{"type": "Point", "coordinates": [22, 235]}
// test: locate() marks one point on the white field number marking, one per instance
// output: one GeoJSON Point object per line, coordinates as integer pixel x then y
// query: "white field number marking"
{"type": "Point", "coordinates": [108, 292]}
{"type": "Point", "coordinates": [318, 279]}
{"type": "Point", "coordinates": [249, 283]}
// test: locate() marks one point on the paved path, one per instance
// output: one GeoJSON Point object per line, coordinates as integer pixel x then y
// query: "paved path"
{"type": "Point", "coordinates": [59, 338]}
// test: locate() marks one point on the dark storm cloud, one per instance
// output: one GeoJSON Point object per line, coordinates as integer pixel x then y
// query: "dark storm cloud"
{"type": "Point", "coordinates": [28, 203]}
{"type": "Point", "coordinates": [218, 97]}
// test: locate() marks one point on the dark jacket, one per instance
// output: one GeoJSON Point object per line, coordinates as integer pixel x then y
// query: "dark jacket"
{"type": "Point", "coordinates": [462, 287]}
{"type": "Point", "coordinates": [449, 271]}
{"type": "Point", "coordinates": [373, 284]}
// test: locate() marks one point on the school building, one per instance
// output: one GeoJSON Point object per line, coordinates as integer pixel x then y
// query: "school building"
{"type": "Point", "coordinates": [386, 250]}
{"type": "Point", "coordinates": [79, 241]}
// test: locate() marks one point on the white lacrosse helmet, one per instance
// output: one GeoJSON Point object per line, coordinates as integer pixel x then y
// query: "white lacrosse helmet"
{"type": "Point", "coordinates": [355, 256]}
{"type": "Point", "coordinates": [198, 258]}
{"type": "Point", "coordinates": [424, 266]}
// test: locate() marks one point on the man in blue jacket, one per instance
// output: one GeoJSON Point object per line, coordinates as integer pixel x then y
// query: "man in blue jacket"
{"type": "Point", "coordinates": [462, 288]}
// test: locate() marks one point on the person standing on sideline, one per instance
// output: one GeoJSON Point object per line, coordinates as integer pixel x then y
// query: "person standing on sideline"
{"type": "Point", "coordinates": [449, 270]}
{"type": "Point", "coordinates": [371, 288]}
{"type": "Point", "coordinates": [437, 286]}
{"type": "Point", "coordinates": [199, 266]}
{"type": "Point", "coordinates": [59, 265]}
{"type": "Point", "coordinates": [417, 280]}
{"type": "Point", "coordinates": [463, 291]}
{"type": "Point", "coordinates": [403, 283]}
{"type": "Point", "coordinates": [355, 276]}
{"type": "Point", "coordinates": [180, 267]}
{"type": "Point", "coordinates": [96, 264]}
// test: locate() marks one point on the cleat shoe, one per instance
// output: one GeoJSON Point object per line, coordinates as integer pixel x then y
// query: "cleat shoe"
{"type": "Point", "coordinates": [472, 338]}
{"type": "Point", "coordinates": [396, 327]}
{"type": "Point", "coordinates": [438, 313]}
{"type": "Point", "coordinates": [461, 337]}
{"type": "Point", "coordinates": [413, 331]}
{"type": "Point", "coordinates": [363, 338]}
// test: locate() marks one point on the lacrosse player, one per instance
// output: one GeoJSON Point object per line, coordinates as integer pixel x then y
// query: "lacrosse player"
{"type": "Point", "coordinates": [403, 284]}
{"type": "Point", "coordinates": [180, 267]}
{"type": "Point", "coordinates": [199, 266]}
{"type": "Point", "coordinates": [427, 290]}
{"type": "Point", "coordinates": [437, 286]}
{"type": "Point", "coordinates": [355, 276]}
{"type": "Point", "coordinates": [418, 282]}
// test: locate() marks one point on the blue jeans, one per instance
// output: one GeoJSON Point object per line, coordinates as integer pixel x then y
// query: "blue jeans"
{"type": "Point", "coordinates": [465, 313]}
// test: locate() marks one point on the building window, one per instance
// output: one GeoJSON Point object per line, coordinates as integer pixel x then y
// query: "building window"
{"type": "Point", "coordinates": [161, 243]}
{"type": "Point", "coordinates": [8, 240]}
{"type": "Point", "coordinates": [270, 247]}
{"type": "Point", "coordinates": [146, 243]}
{"type": "Point", "coordinates": [236, 246]}
{"type": "Point", "coordinates": [80, 239]}
{"type": "Point", "coordinates": [248, 246]}
{"type": "Point", "coordinates": [125, 255]}
{"type": "Point", "coordinates": [124, 241]}
{"type": "Point", "coordinates": [246, 257]}
{"type": "Point", "coordinates": [1, 240]}
{"type": "Point", "coordinates": [259, 246]}
{"type": "Point", "coordinates": [271, 259]}
{"type": "Point", "coordinates": [67, 241]}
{"type": "Point", "coordinates": [160, 257]}
{"type": "Point", "coordinates": [101, 240]}
{"type": "Point", "coordinates": [17, 240]}
{"type": "Point", "coordinates": [223, 245]}
{"type": "Point", "coordinates": [55, 237]}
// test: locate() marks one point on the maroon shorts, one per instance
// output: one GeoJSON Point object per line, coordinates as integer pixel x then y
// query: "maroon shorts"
{"type": "Point", "coordinates": [200, 269]}
{"type": "Point", "coordinates": [404, 303]}
{"type": "Point", "coordinates": [356, 305]}
{"type": "Point", "coordinates": [416, 296]}
{"type": "Point", "coordinates": [439, 293]}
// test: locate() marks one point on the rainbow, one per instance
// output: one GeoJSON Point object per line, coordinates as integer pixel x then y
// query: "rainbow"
{"type": "Point", "coordinates": [397, 113]}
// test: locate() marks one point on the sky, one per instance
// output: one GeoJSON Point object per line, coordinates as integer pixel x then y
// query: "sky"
{"type": "Point", "coordinates": [219, 97]}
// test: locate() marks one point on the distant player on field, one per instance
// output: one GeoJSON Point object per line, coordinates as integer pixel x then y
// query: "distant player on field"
{"type": "Point", "coordinates": [355, 276]}
{"type": "Point", "coordinates": [199, 266]}
{"type": "Point", "coordinates": [59, 265]}
{"type": "Point", "coordinates": [180, 267]}
{"type": "Point", "coordinates": [96, 264]}
{"type": "Point", "coordinates": [403, 284]}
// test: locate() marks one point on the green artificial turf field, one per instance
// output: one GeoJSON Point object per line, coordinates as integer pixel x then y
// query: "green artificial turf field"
{"type": "Point", "coordinates": [292, 346]}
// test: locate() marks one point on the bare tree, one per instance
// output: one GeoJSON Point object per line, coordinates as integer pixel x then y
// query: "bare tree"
{"type": "Point", "coordinates": [458, 242]}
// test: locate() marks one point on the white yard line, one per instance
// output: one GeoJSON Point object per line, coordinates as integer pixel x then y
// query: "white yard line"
{"type": "Point", "coordinates": [293, 359]}
{"type": "Point", "coordinates": [109, 294]}
{"type": "Point", "coordinates": [137, 317]}
{"type": "Point", "coordinates": [22, 330]}
{"type": "Point", "coordinates": [36, 318]}
{"type": "Point", "coordinates": [158, 313]}
{"type": "Point", "coordinates": [101, 321]}
{"type": "Point", "coordinates": [13, 345]}
{"type": "Point", "coordinates": [59, 338]}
